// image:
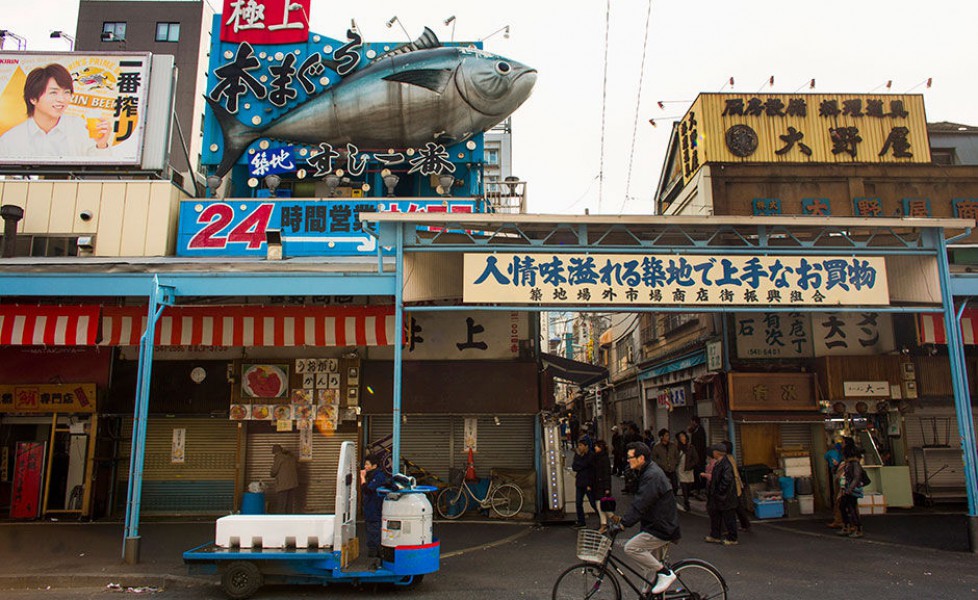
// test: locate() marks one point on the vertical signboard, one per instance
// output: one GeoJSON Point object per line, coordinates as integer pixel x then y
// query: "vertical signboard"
{"type": "Point", "coordinates": [25, 498]}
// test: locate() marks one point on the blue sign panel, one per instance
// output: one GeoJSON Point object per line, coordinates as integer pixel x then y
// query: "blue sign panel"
{"type": "Point", "coordinates": [307, 227]}
{"type": "Point", "coordinates": [272, 161]}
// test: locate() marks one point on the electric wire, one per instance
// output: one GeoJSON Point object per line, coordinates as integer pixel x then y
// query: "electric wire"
{"type": "Point", "coordinates": [604, 100]}
{"type": "Point", "coordinates": [638, 104]}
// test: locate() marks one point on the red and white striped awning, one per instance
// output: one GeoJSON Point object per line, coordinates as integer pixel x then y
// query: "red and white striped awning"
{"type": "Point", "coordinates": [930, 327]}
{"type": "Point", "coordinates": [253, 326]}
{"type": "Point", "coordinates": [23, 325]}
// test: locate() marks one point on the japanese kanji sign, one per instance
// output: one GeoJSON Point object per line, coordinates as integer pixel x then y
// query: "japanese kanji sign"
{"type": "Point", "coordinates": [308, 227]}
{"type": "Point", "coordinates": [461, 335]}
{"type": "Point", "coordinates": [265, 21]}
{"type": "Point", "coordinates": [96, 102]}
{"type": "Point", "coordinates": [776, 335]}
{"type": "Point", "coordinates": [771, 391]}
{"type": "Point", "coordinates": [48, 398]}
{"type": "Point", "coordinates": [642, 280]}
{"type": "Point", "coordinates": [810, 128]}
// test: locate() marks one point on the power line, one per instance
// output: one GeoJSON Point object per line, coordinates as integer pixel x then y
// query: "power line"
{"type": "Point", "coordinates": [604, 100]}
{"type": "Point", "coordinates": [638, 104]}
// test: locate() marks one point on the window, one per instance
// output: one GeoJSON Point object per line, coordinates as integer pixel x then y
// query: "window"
{"type": "Point", "coordinates": [623, 354]}
{"type": "Point", "coordinates": [647, 327]}
{"type": "Point", "coordinates": [113, 31]}
{"type": "Point", "coordinates": [168, 32]}
{"type": "Point", "coordinates": [675, 321]}
{"type": "Point", "coordinates": [943, 156]}
{"type": "Point", "coordinates": [492, 157]}
{"type": "Point", "coordinates": [37, 245]}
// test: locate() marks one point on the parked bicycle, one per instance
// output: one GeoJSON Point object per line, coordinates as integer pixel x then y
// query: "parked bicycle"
{"type": "Point", "coordinates": [506, 500]}
{"type": "Point", "coordinates": [594, 579]}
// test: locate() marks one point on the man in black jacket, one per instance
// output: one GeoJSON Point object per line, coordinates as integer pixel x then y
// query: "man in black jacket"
{"type": "Point", "coordinates": [583, 467]}
{"type": "Point", "coordinates": [722, 498]}
{"type": "Point", "coordinates": [654, 506]}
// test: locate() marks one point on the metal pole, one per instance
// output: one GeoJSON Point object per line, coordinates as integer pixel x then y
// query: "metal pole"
{"type": "Point", "coordinates": [731, 426]}
{"type": "Point", "coordinates": [959, 381]}
{"type": "Point", "coordinates": [130, 548]}
{"type": "Point", "coordinates": [398, 346]}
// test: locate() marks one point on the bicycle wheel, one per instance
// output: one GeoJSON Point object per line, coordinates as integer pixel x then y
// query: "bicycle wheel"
{"type": "Point", "coordinates": [696, 580]}
{"type": "Point", "coordinates": [507, 500]}
{"type": "Point", "coordinates": [452, 503]}
{"type": "Point", "coordinates": [587, 581]}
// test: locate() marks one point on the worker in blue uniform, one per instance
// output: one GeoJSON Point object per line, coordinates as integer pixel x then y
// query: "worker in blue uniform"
{"type": "Point", "coordinates": [372, 478]}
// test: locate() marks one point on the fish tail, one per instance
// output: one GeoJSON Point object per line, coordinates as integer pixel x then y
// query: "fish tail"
{"type": "Point", "coordinates": [237, 136]}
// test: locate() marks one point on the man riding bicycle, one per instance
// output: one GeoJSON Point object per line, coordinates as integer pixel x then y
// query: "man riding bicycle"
{"type": "Point", "coordinates": [654, 505]}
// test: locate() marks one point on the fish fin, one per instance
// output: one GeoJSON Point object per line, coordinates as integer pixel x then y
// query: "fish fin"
{"type": "Point", "coordinates": [237, 136]}
{"type": "Point", "coordinates": [426, 41]}
{"type": "Point", "coordinates": [435, 80]}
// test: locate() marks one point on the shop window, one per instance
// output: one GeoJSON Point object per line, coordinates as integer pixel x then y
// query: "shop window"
{"type": "Point", "coordinates": [168, 32]}
{"type": "Point", "coordinates": [43, 245]}
{"type": "Point", "coordinates": [114, 31]}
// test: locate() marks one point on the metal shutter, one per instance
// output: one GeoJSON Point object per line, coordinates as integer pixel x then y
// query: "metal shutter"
{"type": "Point", "coordinates": [317, 478]}
{"type": "Point", "coordinates": [203, 484]}
{"type": "Point", "coordinates": [718, 432]}
{"type": "Point", "coordinates": [797, 434]}
{"type": "Point", "coordinates": [508, 445]}
{"type": "Point", "coordinates": [916, 437]}
{"type": "Point", "coordinates": [426, 440]}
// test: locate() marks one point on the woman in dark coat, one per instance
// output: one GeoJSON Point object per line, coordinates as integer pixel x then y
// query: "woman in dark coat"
{"type": "Point", "coordinates": [722, 498]}
{"type": "Point", "coordinates": [602, 479]}
{"type": "Point", "coordinates": [852, 481]}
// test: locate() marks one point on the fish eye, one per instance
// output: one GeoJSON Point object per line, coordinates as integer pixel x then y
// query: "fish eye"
{"type": "Point", "coordinates": [503, 68]}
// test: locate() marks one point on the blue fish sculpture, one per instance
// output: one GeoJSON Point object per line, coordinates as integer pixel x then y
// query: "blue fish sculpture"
{"type": "Point", "coordinates": [418, 93]}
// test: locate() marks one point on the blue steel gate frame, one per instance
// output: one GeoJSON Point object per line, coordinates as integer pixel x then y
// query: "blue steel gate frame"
{"type": "Point", "coordinates": [787, 236]}
{"type": "Point", "coordinates": [418, 233]}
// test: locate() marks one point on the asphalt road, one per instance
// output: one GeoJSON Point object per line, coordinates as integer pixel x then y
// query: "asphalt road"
{"type": "Point", "coordinates": [771, 563]}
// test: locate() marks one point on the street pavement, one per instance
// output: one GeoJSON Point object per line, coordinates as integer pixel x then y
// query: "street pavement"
{"type": "Point", "coordinates": [493, 561]}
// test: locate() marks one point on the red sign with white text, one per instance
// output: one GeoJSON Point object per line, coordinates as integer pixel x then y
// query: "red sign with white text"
{"type": "Point", "coordinates": [25, 498]}
{"type": "Point", "coordinates": [265, 21]}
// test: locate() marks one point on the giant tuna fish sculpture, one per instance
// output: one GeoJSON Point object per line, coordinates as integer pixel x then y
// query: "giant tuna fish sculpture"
{"type": "Point", "coordinates": [418, 93]}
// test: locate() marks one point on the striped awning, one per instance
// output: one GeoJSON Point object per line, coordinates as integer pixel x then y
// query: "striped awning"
{"type": "Point", "coordinates": [930, 327]}
{"type": "Point", "coordinates": [24, 325]}
{"type": "Point", "coordinates": [253, 326]}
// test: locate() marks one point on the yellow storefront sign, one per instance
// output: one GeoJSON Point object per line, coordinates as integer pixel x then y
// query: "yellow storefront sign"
{"type": "Point", "coordinates": [48, 398]}
{"type": "Point", "coordinates": [803, 128]}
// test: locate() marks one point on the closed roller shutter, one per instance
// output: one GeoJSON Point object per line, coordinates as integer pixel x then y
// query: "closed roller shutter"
{"type": "Point", "coordinates": [945, 466]}
{"type": "Point", "coordinates": [202, 484]}
{"type": "Point", "coordinates": [718, 432]}
{"type": "Point", "coordinates": [317, 478]}
{"type": "Point", "coordinates": [508, 445]}
{"type": "Point", "coordinates": [426, 440]}
{"type": "Point", "coordinates": [796, 434]}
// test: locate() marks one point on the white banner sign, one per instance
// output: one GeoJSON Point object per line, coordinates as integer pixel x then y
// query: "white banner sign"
{"type": "Point", "coordinates": [773, 335]}
{"type": "Point", "coordinates": [642, 280]}
{"type": "Point", "coordinates": [471, 434]}
{"type": "Point", "coordinates": [178, 446]}
{"type": "Point", "coordinates": [876, 389]}
{"type": "Point", "coordinates": [850, 334]}
{"type": "Point", "coordinates": [461, 335]}
{"type": "Point", "coordinates": [797, 335]}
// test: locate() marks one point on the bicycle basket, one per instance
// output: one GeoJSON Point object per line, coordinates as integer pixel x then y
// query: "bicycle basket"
{"type": "Point", "coordinates": [592, 546]}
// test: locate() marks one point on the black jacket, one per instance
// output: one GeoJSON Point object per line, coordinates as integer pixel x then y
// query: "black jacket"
{"type": "Point", "coordinates": [584, 469]}
{"type": "Point", "coordinates": [602, 473]}
{"type": "Point", "coordinates": [654, 505]}
{"type": "Point", "coordinates": [722, 492]}
{"type": "Point", "coordinates": [698, 439]}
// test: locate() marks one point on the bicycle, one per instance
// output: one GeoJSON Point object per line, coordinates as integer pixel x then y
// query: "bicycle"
{"type": "Point", "coordinates": [505, 500]}
{"type": "Point", "coordinates": [594, 579]}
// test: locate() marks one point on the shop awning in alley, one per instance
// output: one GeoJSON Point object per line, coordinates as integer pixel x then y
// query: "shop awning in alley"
{"type": "Point", "coordinates": [253, 326]}
{"type": "Point", "coordinates": [930, 327]}
{"type": "Point", "coordinates": [581, 373]}
{"type": "Point", "coordinates": [25, 325]}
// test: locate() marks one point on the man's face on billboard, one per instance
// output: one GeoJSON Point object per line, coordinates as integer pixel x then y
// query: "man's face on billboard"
{"type": "Point", "coordinates": [53, 102]}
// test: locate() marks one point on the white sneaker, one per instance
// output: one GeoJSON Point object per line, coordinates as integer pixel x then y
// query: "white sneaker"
{"type": "Point", "coordinates": [663, 581]}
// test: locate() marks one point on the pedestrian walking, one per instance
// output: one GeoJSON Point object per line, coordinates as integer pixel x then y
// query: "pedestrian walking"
{"type": "Point", "coordinates": [685, 469]}
{"type": "Point", "coordinates": [631, 436]}
{"type": "Point", "coordinates": [617, 451]}
{"type": "Point", "coordinates": [286, 475]}
{"type": "Point", "coordinates": [697, 437]}
{"type": "Point", "coordinates": [722, 497]}
{"type": "Point", "coordinates": [372, 478]}
{"type": "Point", "coordinates": [574, 426]}
{"type": "Point", "coordinates": [602, 481]}
{"type": "Point", "coordinates": [852, 481]}
{"type": "Point", "coordinates": [742, 514]}
{"type": "Point", "coordinates": [834, 460]}
{"type": "Point", "coordinates": [666, 454]}
{"type": "Point", "coordinates": [583, 467]}
{"type": "Point", "coordinates": [654, 507]}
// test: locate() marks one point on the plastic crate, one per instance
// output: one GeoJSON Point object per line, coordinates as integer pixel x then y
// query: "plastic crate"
{"type": "Point", "coordinates": [768, 509]}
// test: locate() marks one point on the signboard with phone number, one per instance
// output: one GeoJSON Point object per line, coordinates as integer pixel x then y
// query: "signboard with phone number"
{"type": "Point", "coordinates": [307, 227]}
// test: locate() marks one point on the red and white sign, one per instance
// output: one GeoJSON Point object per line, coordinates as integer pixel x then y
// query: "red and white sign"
{"type": "Point", "coordinates": [930, 328]}
{"type": "Point", "coordinates": [253, 326]}
{"type": "Point", "coordinates": [48, 325]}
{"type": "Point", "coordinates": [265, 21]}
{"type": "Point", "coordinates": [25, 498]}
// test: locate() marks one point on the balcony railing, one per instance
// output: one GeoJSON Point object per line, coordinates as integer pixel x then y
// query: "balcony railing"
{"type": "Point", "coordinates": [508, 196]}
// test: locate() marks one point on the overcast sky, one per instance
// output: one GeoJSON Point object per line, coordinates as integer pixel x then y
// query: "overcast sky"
{"type": "Point", "coordinates": [693, 46]}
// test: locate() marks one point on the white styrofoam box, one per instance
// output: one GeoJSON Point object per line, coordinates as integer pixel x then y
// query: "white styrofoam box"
{"type": "Point", "coordinates": [798, 471]}
{"type": "Point", "coordinates": [878, 509]}
{"type": "Point", "coordinates": [866, 500]}
{"type": "Point", "coordinates": [796, 461]}
{"type": "Point", "coordinates": [274, 531]}
{"type": "Point", "coordinates": [806, 504]}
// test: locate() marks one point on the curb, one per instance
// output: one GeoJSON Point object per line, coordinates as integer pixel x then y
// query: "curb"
{"type": "Point", "coordinates": [51, 581]}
